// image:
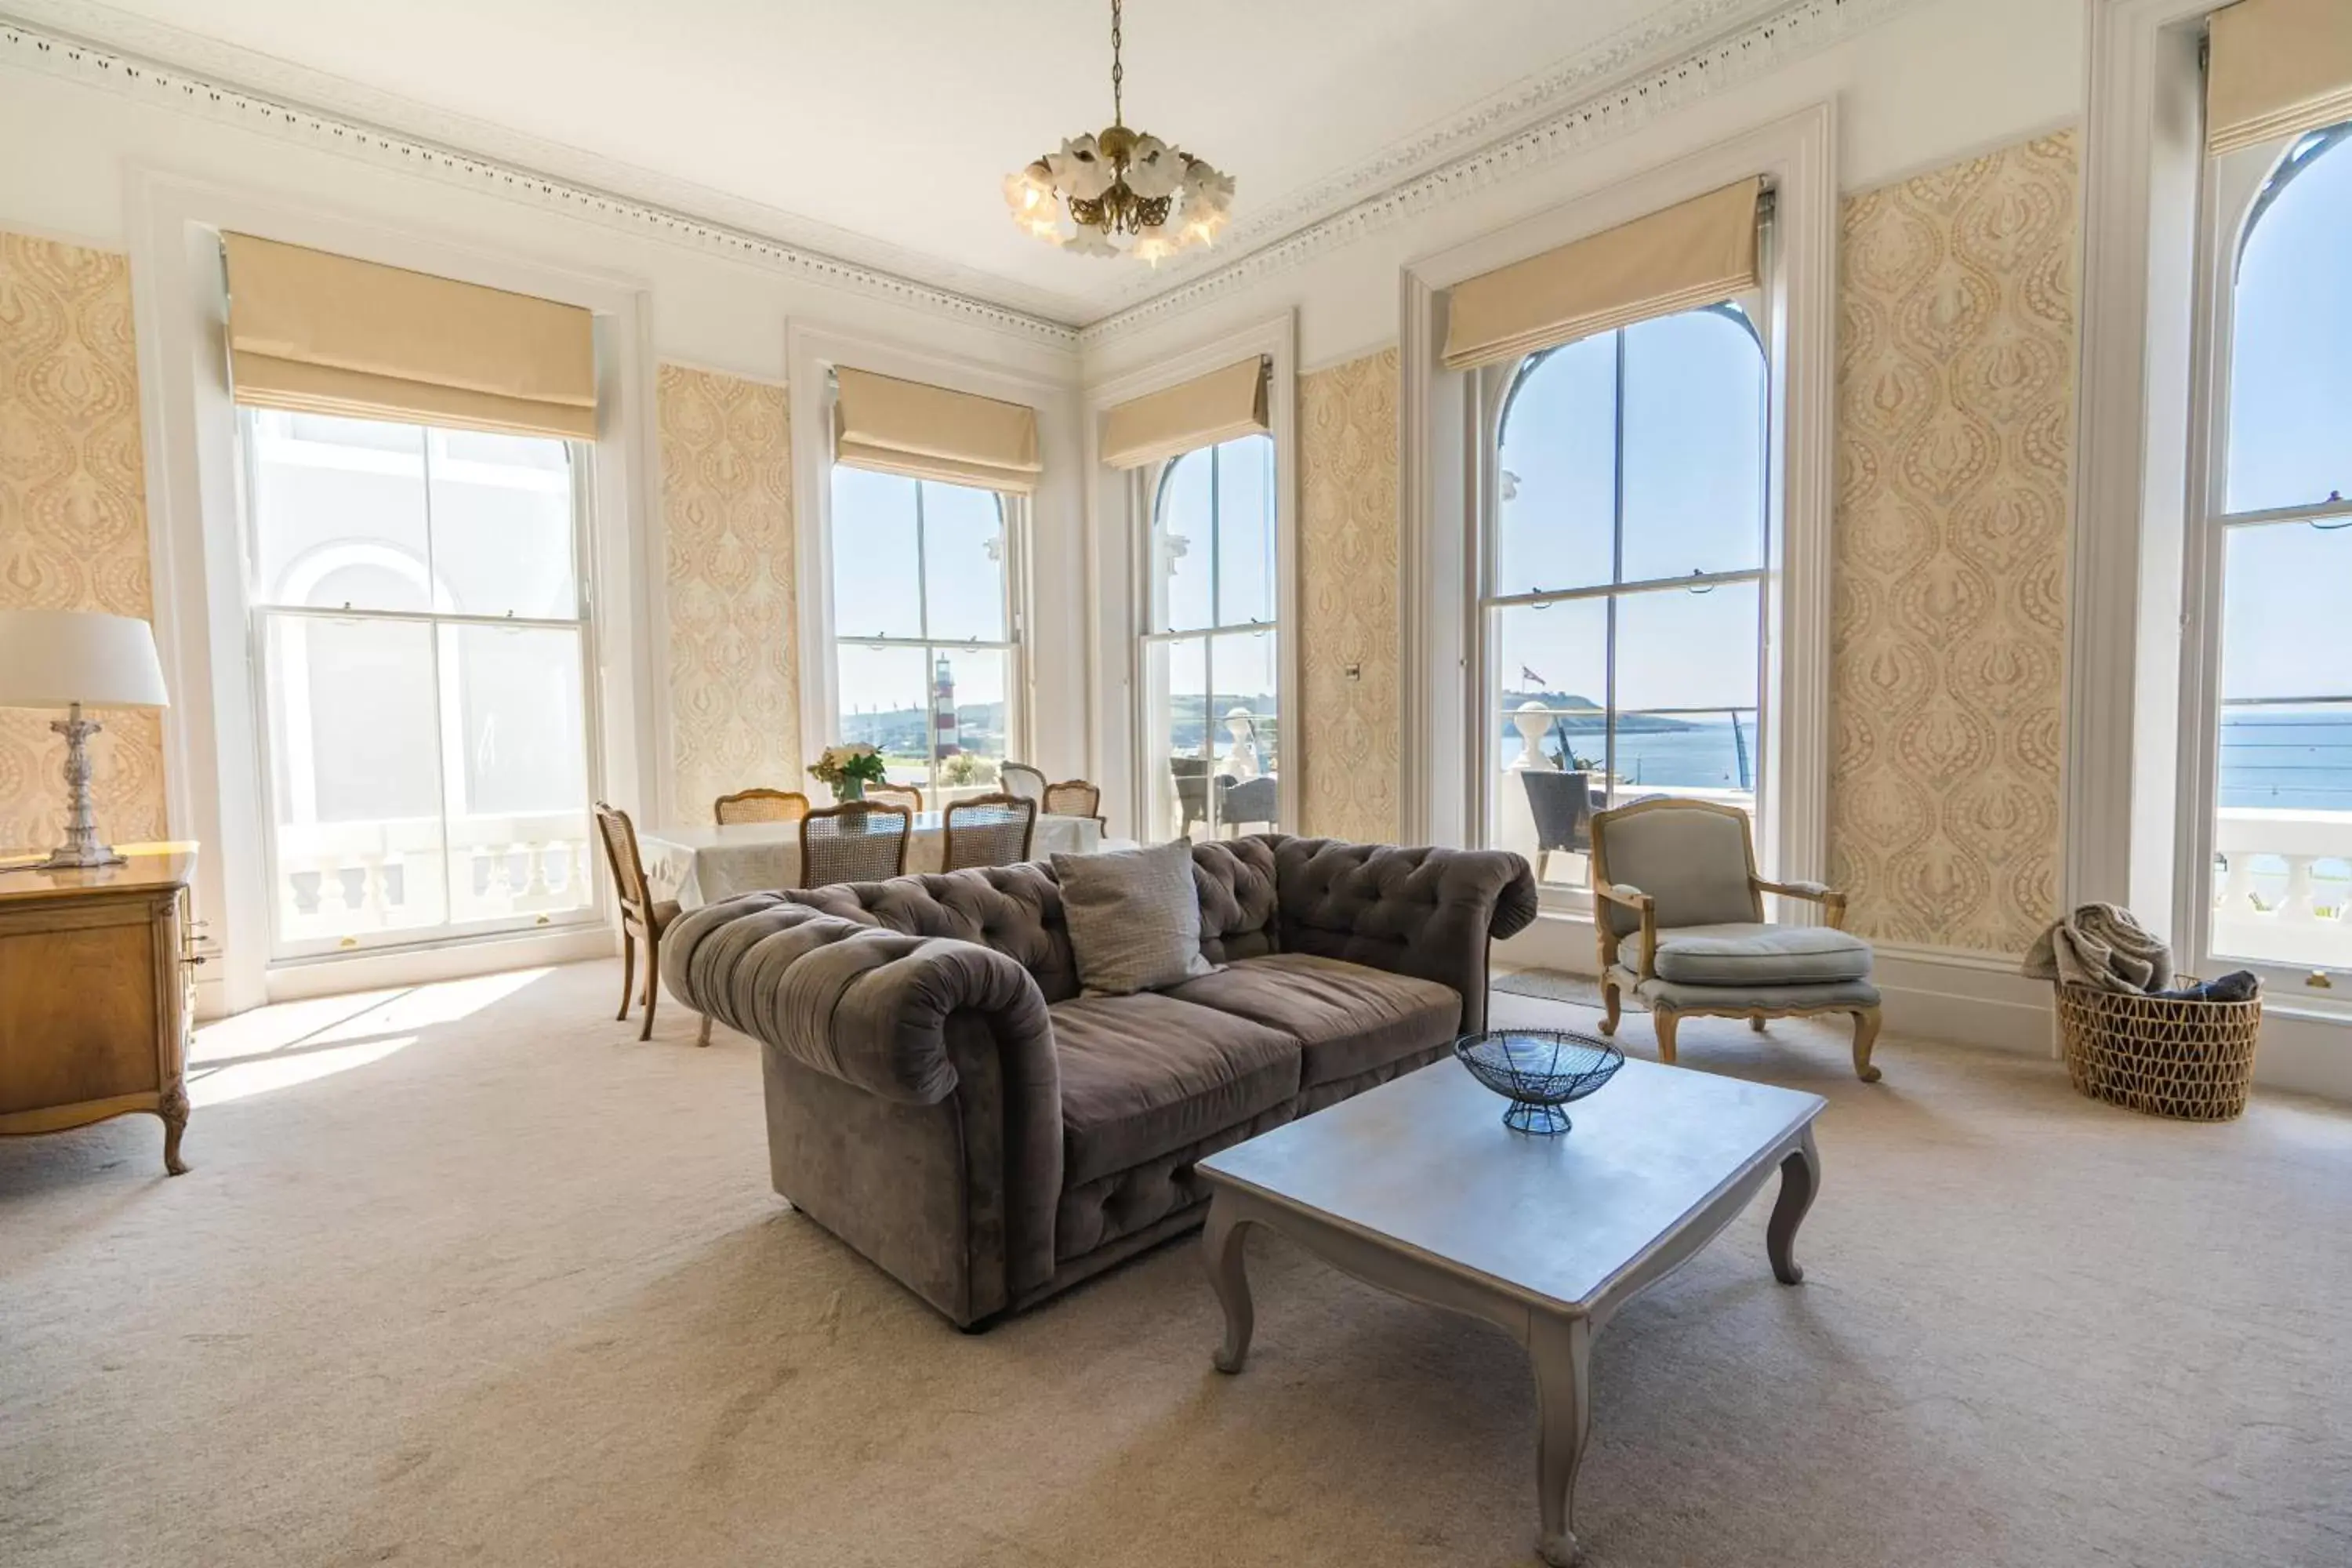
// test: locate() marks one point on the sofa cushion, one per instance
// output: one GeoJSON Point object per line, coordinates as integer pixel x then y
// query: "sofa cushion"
{"type": "Point", "coordinates": [1347, 1018]}
{"type": "Point", "coordinates": [1147, 1074]}
{"type": "Point", "coordinates": [1747, 954]}
{"type": "Point", "coordinates": [1134, 916]}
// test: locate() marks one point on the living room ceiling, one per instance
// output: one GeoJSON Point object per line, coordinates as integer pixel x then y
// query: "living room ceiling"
{"type": "Point", "coordinates": [880, 133]}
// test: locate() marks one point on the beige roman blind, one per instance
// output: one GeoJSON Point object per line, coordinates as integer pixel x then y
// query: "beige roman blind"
{"type": "Point", "coordinates": [1702, 252]}
{"type": "Point", "coordinates": [1218, 406]}
{"type": "Point", "coordinates": [319, 333]}
{"type": "Point", "coordinates": [930, 433]}
{"type": "Point", "coordinates": [2274, 68]}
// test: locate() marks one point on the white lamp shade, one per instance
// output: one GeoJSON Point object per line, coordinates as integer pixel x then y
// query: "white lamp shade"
{"type": "Point", "coordinates": [55, 658]}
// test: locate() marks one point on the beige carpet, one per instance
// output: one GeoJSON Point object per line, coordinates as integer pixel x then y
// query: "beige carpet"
{"type": "Point", "coordinates": [470, 1276]}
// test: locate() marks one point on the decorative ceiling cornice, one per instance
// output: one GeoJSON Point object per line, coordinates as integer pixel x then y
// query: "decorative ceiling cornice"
{"type": "Point", "coordinates": [1678, 54]}
{"type": "Point", "coordinates": [1673, 30]}
{"type": "Point", "coordinates": [33, 47]}
{"type": "Point", "coordinates": [1747, 52]}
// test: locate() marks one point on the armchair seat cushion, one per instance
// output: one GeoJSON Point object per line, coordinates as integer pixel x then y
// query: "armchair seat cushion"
{"type": "Point", "coordinates": [1349, 1018]}
{"type": "Point", "coordinates": [1829, 996]}
{"type": "Point", "coordinates": [1146, 1074]}
{"type": "Point", "coordinates": [1747, 954]}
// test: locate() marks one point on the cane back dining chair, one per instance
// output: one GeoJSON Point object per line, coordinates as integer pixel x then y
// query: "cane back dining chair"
{"type": "Point", "coordinates": [906, 795]}
{"type": "Point", "coordinates": [643, 917]}
{"type": "Point", "coordinates": [1075, 797]}
{"type": "Point", "coordinates": [988, 830]}
{"type": "Point", "coordinates": [856, 841]}
{"type": "Point", "coordinates": [759, 805]}
{"type": "Point", "coordinates": [1675, 879]}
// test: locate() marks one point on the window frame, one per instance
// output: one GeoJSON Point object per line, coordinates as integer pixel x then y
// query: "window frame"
{"type": "Point", "coordinates": [260, 612]}
{"type": "Point", "coordinates": [1013, 514]}
{"type": "Point", "coordinates": [1492, 388]}
{"type": "Point", "coordinates": [1118, 498]}
{"type": "Point", "coordinates": [1795, 154]}
{"type": "Point", "coordinates": [1149, 488]}
{"type": "Point", "coordinates": [2233, 190]}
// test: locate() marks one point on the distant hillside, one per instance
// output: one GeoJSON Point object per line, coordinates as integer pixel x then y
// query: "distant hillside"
{"type": "Point", "coordinates": [1585, 722]}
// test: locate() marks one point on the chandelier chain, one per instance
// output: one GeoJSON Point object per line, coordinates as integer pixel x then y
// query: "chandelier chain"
{"type": "Point", "coordinates": [1119, 191]}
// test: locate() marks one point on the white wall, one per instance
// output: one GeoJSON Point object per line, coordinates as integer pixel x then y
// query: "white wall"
{"type": "Point", "coordinates": [1937, 83]}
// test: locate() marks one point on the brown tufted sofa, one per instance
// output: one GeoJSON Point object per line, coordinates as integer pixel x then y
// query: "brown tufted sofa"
{"type": "Point", "coordinates": [942, 1098]}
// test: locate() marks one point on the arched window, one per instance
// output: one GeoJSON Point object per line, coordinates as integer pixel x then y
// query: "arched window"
{"type": "Point", "coordinates": [1622, 579]}
{"type": "Point", "coordinates": [2277, 553]}
{"type": "Point", "coordinates": [1212, 733]}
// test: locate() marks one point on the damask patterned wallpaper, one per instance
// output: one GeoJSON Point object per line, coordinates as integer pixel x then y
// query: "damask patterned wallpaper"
{"type": "Point", "coordinates": [1348, 598]}
{"type": "Point", "coordinates": [1956, 347]}
{"type": "Point", "coordinates": [73, 517]}
{"type": "Point", "coordinates": [727, 514]}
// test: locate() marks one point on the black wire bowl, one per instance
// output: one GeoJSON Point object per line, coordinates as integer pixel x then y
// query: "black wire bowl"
{"type": "Point", "coordinates": [1538, 1070]}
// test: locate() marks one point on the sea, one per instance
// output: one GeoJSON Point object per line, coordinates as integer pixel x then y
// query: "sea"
{"type": "Point", "coordinates": [2299, 760]}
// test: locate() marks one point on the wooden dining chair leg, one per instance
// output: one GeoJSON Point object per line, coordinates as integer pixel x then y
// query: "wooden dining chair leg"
{"type": "Point", "coordinates": [702, 1036]}
{"type": "Point", "coordinates": [628, 973]}
{"type": "Point", "coordinates": [653, 984]}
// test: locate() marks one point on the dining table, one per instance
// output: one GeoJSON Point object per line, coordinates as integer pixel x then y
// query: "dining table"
{"type": "Point", "coordinates": [701, 864]}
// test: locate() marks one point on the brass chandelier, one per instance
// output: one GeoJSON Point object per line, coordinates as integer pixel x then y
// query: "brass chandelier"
{"type": "Point", "coordinates": [1120, 192]}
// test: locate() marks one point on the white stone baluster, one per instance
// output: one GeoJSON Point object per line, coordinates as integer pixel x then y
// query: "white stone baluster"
{"type": "Point", "coordinates": [2235, 895]}
{"type": "Point", "coordinates": [2297, 907]}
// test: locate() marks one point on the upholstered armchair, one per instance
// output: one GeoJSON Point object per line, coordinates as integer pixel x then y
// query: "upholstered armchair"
{"type": "Point", "coordinates": [1680, 914]}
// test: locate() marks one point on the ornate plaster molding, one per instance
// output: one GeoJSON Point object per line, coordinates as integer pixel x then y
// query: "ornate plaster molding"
{"type": "Point", "coordinates": [171, 87]}
{"type": "Point", "coordinates": [1681, 53]}
{"type": "Point", "coordinates": [1739, 56]}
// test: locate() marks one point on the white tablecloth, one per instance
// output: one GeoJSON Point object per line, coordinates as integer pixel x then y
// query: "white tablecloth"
{"type": "Point", "coordinates": [701, 865]}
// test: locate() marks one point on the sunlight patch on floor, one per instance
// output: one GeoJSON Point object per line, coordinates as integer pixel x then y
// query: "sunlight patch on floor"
{"type": "Point", "coordinates": [290, 1043]}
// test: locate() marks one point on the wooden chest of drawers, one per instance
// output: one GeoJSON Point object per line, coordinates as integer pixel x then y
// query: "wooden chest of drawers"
{"type": "Point", "coordinates": [97, 995]}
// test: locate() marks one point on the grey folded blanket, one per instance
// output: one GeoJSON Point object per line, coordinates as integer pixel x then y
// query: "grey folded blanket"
{"type": "Point", "coordinates": [2102, 946]}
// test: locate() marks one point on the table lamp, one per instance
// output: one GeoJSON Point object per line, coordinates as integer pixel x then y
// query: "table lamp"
{"type": "Point", "coordinates": [65, 658]}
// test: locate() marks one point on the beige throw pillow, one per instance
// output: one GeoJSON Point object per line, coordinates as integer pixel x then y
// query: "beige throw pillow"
{"type": "Point", "coordinates": [1134, 918]}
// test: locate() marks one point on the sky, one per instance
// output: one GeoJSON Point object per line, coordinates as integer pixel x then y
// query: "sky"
{"type": "Point", "coordinates": [1694, 393]}
{"type": "Point", "coordinates": [2289, 586]}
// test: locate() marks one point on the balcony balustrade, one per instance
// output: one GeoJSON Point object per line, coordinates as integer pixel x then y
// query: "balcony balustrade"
{"type": "Point", "coordinates": [353, 880]}
{"type": "Point", "coordinates": [2282, 886]}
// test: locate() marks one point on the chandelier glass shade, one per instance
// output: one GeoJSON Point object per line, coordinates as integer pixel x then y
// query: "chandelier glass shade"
{"type": "Point", "coordinates": [1120, 192]}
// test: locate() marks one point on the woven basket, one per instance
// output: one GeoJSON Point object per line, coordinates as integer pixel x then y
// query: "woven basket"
{"type": "Point", "coordinates": [2194, 1060]}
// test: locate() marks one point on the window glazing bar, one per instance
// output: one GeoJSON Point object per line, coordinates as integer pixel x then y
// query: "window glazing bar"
{"type": "Point", "coordinates": [2334, 507]}
{"type": "Point", "coordinates": [423, 617]}
{"type": "Point", "coordinates": [1648, 586]}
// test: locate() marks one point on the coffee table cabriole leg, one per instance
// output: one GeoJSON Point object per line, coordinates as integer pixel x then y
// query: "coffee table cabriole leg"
{"type": "Point", "coordinates": [1560, 1350]}
{"type": "Point", "coordinates": [1221, 1252]}
{"type": "Point", "coordinates": [1801, 1178]}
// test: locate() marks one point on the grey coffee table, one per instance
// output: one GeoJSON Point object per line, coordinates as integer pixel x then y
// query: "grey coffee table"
{"type": "Point", "coordinates": [1418, 1188]}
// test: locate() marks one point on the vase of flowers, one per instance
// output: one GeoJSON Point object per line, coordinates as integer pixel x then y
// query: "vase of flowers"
{"type": "Point", "coordinates": [847, 770]}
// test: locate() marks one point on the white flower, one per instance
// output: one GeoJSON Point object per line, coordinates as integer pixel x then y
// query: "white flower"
{"type": "Point", "coordinates": [1079, 169]}
{"type": "Point", "coordinates": [862, 749]}
{"type": "Point", "coordinates": [1154, 169]}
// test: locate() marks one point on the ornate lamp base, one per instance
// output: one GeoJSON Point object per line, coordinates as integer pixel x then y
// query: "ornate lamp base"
{"type": "Point", "coordinates": [81, 851]}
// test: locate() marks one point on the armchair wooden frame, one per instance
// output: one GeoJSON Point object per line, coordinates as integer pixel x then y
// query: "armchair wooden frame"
{"type": "Point", "coordinates": [1644, 908]}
